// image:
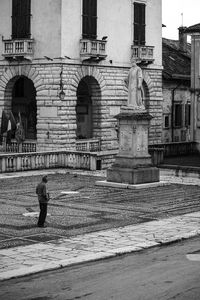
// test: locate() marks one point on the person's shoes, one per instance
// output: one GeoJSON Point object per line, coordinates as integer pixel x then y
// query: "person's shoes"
{"type": "Point", "coordinates": [42, 226]}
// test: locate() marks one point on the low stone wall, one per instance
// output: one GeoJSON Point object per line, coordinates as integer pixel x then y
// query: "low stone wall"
{"type": "Point", "coordinates": [47, 160]}
{"type": "Point", "coordinates": [12, 162]}
{"type": "Point", "coordinates": [176, 149]}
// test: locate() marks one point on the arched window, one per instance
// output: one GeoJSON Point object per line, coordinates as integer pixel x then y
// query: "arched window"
{"type": "Point", "coordinates": [24, 102]}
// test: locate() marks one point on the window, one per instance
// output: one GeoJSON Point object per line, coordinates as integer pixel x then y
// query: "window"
{"type": "Point", "coordinates": [139, 24]}
{"type": "Point", "coordinates": [187, 114]}
{"type": "Point", "coordinates": [178, 115]}
{"type": "Point", "coordinates": [21, 11]}
{"type": "Point", "coordinates": [166, 121]}
{"type": "Point", "coordinates": [89, 19]}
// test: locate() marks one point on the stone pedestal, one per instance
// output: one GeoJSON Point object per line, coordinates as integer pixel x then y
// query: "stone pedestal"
{"type": "Point", "coordinates": [133, 163]}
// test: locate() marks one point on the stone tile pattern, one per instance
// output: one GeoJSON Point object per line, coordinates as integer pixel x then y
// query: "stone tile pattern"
{"type": "Point", "coordinates": [92, 209]}
{"type": "Point", "coordinates": [30, 259]}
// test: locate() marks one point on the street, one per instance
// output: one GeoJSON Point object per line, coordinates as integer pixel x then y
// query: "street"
{"type": "Point", "coordinates": [161, 273]}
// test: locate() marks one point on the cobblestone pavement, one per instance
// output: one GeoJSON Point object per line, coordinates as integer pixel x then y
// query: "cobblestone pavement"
{"type": "Point", "coordinates": [88, 222]}
{"type": "Point", "coordinates": [39, 257]}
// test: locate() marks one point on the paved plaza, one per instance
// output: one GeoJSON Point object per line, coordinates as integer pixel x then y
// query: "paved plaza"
{"type": "Point", "coordinates": [87, 221]}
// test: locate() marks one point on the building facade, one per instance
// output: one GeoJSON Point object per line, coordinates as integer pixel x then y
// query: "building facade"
{"type": "Point", "coordinates": [63, 64]}
{"type": "Point", "coordinates": [176, 89]}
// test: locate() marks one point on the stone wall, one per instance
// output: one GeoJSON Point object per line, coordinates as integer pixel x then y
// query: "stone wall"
{"type": "Point", "coordinates": [56, 118]}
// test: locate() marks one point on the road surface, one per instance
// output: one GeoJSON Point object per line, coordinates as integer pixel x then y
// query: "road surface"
{"type": "Point", "coordinates": [163, 273]}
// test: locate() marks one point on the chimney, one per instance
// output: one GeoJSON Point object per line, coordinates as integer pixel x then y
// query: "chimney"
{"type": "Point", "coordinates": [182, 38]}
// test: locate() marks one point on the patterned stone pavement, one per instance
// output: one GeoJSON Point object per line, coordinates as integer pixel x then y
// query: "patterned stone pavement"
{"type": "Point", "coordinates": [89, 222]}
{"type": "Point", "coordinates": [25, 260]}
{"type": "Point", "coordinates": [78, 206]}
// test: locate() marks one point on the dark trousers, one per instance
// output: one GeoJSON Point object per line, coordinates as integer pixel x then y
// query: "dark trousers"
{"type": "Point", "coordinates": [43, 214]}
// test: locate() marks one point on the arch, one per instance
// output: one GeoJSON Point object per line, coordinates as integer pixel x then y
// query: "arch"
{"type": "Point", "coordinates": [148, 84]}
{"type": "Point", "coordinates": [91, 71]}
{"type": "Point", "coordinates": [145, 95]}
{"type": "Point", "coordinates": [20, 97]}
{"type": "Point", "coordinates": [16, 71]}
{"type": "Point", "coordinates": [148, 89]}
{"type": "Point", "coordinates": [88, 108]}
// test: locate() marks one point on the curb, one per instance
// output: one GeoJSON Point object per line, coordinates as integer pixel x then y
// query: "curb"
{"type": "Point", "coordinates": [87, 257]}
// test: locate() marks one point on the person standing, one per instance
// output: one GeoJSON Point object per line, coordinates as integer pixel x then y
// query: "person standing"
{"type": "Point", "coordinates": [43, 198]}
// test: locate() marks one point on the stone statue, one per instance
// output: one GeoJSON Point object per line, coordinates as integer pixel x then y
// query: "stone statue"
{"type": "Point", "coordinates": [134, 84]}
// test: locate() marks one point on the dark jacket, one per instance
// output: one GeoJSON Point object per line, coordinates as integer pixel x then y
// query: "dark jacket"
{"type": "Point", "coordinates": [41, 191]}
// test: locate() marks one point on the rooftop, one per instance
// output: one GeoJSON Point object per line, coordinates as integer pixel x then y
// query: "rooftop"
{"type": "Point", "coordinates": [176, 62]}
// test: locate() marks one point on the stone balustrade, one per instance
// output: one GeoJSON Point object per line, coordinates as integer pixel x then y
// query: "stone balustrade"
{"type": "Point", "coordinates": [92, 48]}
{"type": "Point", "coordinates": [89, 145]}
{"type": "Point", "coordinates": [47, 160]}
{"type": "Point", "coordinates": [174, 149]}
{"type": "Point", "coordinates": [14, 147]}
{"type": "Point", "coordinates": [143, 53]}
{"type": "Point", "coordinates": [14, 48]}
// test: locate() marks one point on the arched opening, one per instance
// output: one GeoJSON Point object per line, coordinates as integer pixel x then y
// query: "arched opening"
{"type": "Point", "coordinates": [88, 106]}
{"type": "Point", "coordinates": [145, 95]}
{"type": "Point", "coordinates": [24, 102]}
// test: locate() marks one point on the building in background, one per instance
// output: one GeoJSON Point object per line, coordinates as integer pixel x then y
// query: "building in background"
{"type": "Point", "coordinates": [63, 65]}
{"type": "Point", "coordinates": [176, 89]}
{"type": "Point", "coordinates": [194, 31]}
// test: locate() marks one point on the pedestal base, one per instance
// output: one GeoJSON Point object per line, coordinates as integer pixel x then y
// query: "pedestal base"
{"type": "Point", "coordinates": [133, 163]}
{"type": "Point", "coordinates": [138, 175]}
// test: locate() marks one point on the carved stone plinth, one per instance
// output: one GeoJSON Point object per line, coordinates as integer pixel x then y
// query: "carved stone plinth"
{"type": "Point", "coordinates": [133, 163]}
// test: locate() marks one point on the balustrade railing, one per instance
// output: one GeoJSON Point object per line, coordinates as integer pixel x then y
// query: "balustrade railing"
{"type": "Point", "coordinates": [92, 48]}
{"type": "Point", "coordinates": [143, 53]}
{"type": "Point", "coordinates": [18, 48]}
{"type": "Point", "coordinates": [175, 149]}
{"type": "Point", "coordinates": [24, 147]}
{"type": "Point", "coordinates": [90, 145]}
{"type": "Point", "coordinates": [47, 160]}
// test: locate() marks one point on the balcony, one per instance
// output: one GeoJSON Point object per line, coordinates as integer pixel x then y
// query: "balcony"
{"type": "Point", "coordinates": [92, 49]}
{"type": "Point", "coordinates": [143, 54]}
{"type": "Point", "coordinates": [13, 49]}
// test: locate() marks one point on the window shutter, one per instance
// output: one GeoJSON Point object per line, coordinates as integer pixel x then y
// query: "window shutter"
{"type": "Point", "coordinates": [93, 31]}
{"type": "Point", "coordinates": [21, 10]}
{"type": "Point", "coordinates": [139, 24]}
{"type": "Point", "coordinates": [85, 19]}
{"type": "Point", "coordinates": [187, 115]}
{"type": "Point", "coordinates": [89, 18]}
{"type": "Point", "coordinates": [178, 115]}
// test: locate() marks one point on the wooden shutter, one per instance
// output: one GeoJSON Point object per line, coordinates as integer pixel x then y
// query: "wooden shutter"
{"type": "Point", "coordinates": [178, 115]}
{"type": "Point", "coordinates": [187, 115]}
{"type": "Point", "coordinates": [89, 19]}
{"type": "Point", "coordinates": [21, 11]}
{"type": "Point", "coordinates": [139, 24]}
